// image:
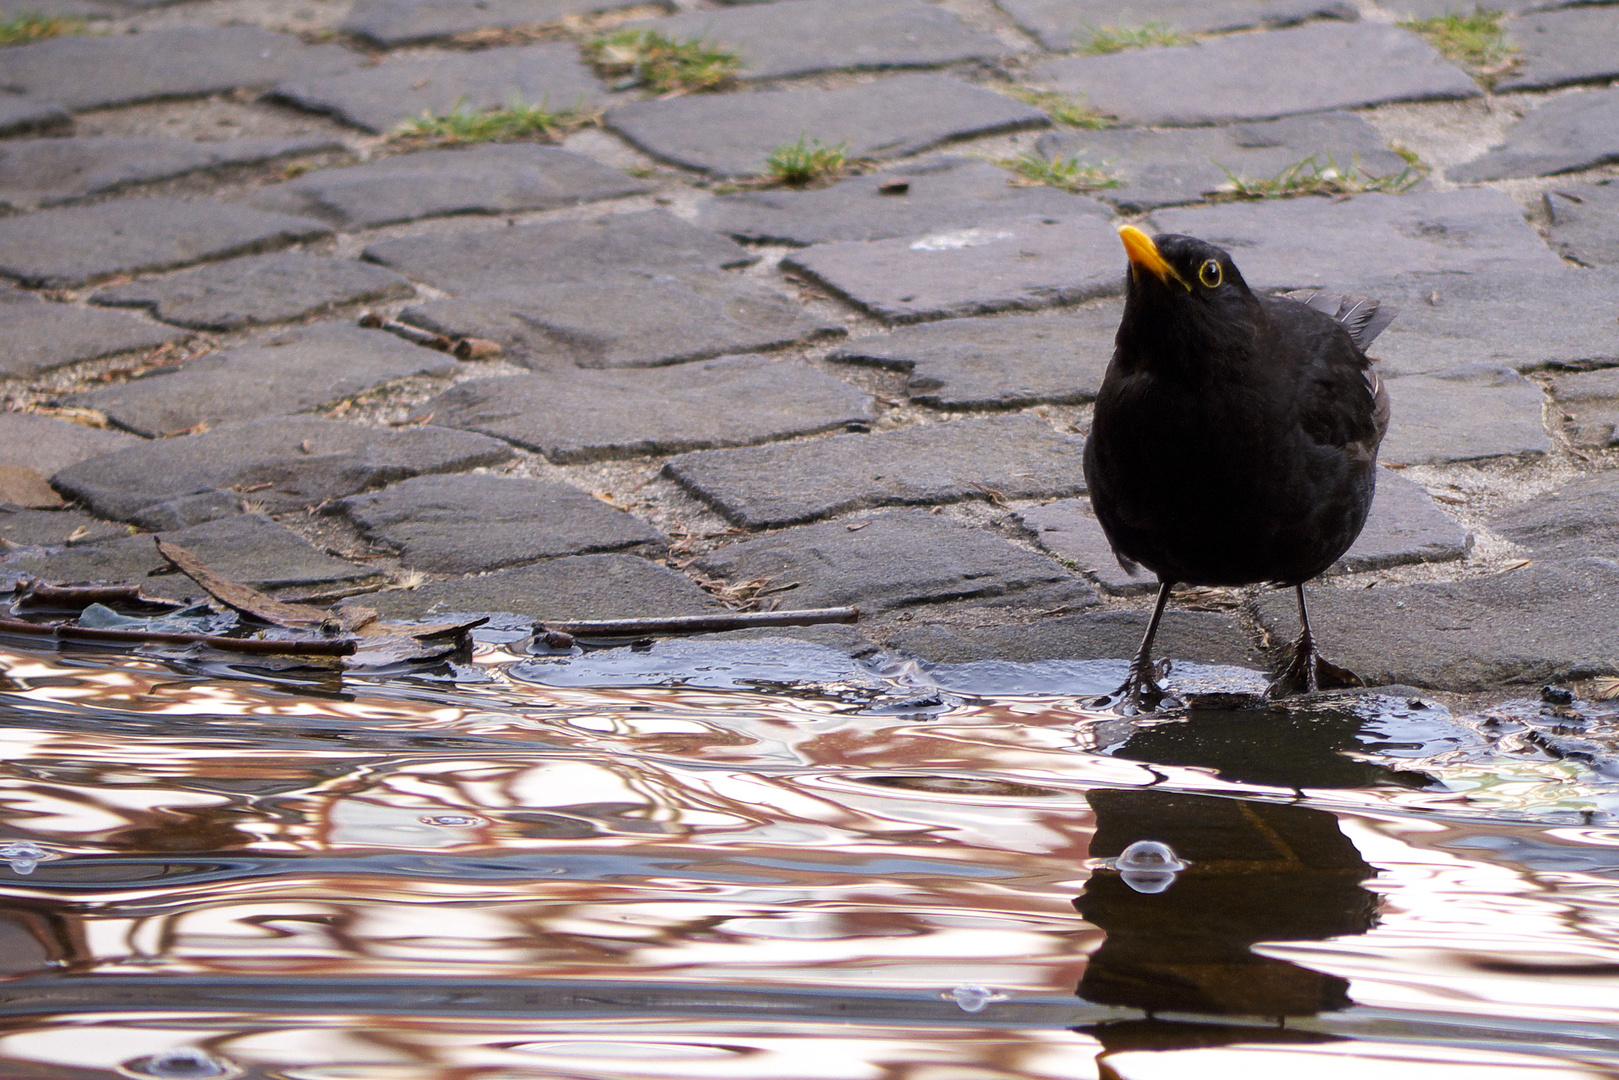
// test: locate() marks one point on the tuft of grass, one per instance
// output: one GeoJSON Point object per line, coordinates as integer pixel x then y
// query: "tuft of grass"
{"type": "Point", "coordinates": [26, 26]}
{"type": "Point", "coordinates": [1475, 41]}
{"type": "Point", "coordinates": [1312, 176]}
{"type": "Point", "coordinates": [1061, 108]}
{"type": "Point", "coordinates": [1065, 173]}
{"type": "Point", "coordinates": [1112, 39]}
{"type": "Point", "coordinates": [806, 161]}
{"type": "Point", "coordinates": [518, 120]}
{"type": "Point", "coordinates": [661, 64]}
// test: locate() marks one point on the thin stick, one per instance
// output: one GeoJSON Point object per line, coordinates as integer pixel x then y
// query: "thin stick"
{"type": "Point", "coordinates": [303, 647]}
{"type": "Point", "coordinates": [701, 624]}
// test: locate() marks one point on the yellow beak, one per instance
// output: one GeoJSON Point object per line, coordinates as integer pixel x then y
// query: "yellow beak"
{"type": "Point", "coordinates": [1143, 253]}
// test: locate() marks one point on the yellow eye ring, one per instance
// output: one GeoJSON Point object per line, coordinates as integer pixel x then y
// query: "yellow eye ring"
{"type": "Point", "coordinates": [1209, 274]}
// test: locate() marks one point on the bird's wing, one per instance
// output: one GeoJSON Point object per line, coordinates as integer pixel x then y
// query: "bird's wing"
{"type": "Point", "coordinates": [1362, 316]}
{"type": "Point", "coordinates": [1340, 399]}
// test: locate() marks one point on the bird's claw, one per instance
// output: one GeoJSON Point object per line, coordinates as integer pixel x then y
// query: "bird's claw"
{"type": "Point", "coordinates": [1307, 671]}
{"type": "Point", "coordinates": [1140, 692]}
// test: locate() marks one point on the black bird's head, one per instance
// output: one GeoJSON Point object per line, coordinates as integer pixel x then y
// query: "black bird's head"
{"type": "Point", "coordinates": [1185, 301]}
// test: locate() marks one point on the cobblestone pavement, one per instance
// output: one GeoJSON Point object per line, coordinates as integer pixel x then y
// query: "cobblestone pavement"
{"type": "Point", "coordinates": [712, 391]}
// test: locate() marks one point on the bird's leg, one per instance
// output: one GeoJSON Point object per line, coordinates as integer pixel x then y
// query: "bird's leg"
{"type": "Point", "coordinates": [1307, 670]}
{"type": "Point", "coordinates": [1140, 692]}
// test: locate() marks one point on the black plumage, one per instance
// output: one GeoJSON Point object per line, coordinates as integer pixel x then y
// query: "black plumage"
{"type": "Point", "coordinates": [1235, 436]}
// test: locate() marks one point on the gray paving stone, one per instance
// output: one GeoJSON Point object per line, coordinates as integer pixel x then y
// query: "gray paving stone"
{"type": "Point", "coordinates": [1063, 24]}
{"type": "Point", "coordinates": [1568, 133]}
{"type": "Point", "coordinates": [282, 463]}
{"type": "Point", "coordinates": [45, 172]}
{"type": "Point", "coordinates": [122, 69]}
{"type": "Point", "coordinates": [941, 194]}
{"type": "Point", "coordinates": [78, 245]}
{"type": "Point", "coordinates": [732, 134]}
{"type": "Point", "coordinates": [1585, 222]}
{"type": "Point", "coordinates": [48, 445]}
{"type": "Point", "coordinates": [248, 548]}
{"type": "Point", "coordinates": [1181, 165]}
{"type": "Point", "coordinates": [1499, 315]}
{"type": "Point", "coordinates": [577, 587]}
{"type": "Point", "coordinates": [391, 23]}
{"type": "Point", "coordinates": [1204, 637]}
{"type": "Point", "coordinates": [288, 373]}
{"type": "Point", "coordinates": [895, 560]}
{"type": "Point", "coordinates": [258, 289]}
{"type": "Point", "coordinates": [1577, 520]}
{"type": "Point", "coordinates": [51, 528]}
{"type": "Point", "coordinates": [1311, 68]}
{"type": "Point", "coordinates": [1470, 412]}
{"type": "Point", "coordinates": [513, 260]}
{"type": "Point", "coordinates": [1579, 44]}
{"type": "Point", "coordinates": [38, 335]}
{"type": "Point", "coordinates": [1591, 401]}
{"type": "Point", "coordinates": [630, 320]}
{"type": "Point", "coordinates": [489, 179]}
{"type": "Point", "coordinates": [382, 97]}
{"type": "Point", "coordinates": [466, 524]}
{"type": "Point", "coordinates": [777, 41]}
{"type": "Point", "coordinates": [1363, 243]}
{"type": "Point", "coordinates": [574, 416]}
{"type": "Point", "coordinates": [184, 511]}
{"type": "Point", "coordinates": [1004, 362]}
{"type": "Point", "coordinates": [71, 9]}
{"type": "Point", "coordinates": [1015, 457]}
{"type": "Point", "coordinates": [1433, 9]}
{"type": "Point", "coordinates": [28, 116]}
{"type": "Point", "coordinates": [1069, 530]}
{"type": "Point", "coordinates": [1543, 623]}
{"type": "Point", "coordinates": [1004, 265]}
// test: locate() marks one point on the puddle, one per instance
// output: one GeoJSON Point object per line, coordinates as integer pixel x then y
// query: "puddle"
{"type": "Point", "coordinates": [765, 860]}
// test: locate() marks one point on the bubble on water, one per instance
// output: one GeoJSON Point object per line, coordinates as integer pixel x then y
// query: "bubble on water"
{"type": "Point", "coordinates": [971, 998]}
{"type": "Point", "coordinates": [1149, 866]}
{"type": "Point", "coordinates": [24, 856]}
{"type": "Point", "coordinates": [453, 821]}
{"type": "Point", "coordinates": [181, 1063]}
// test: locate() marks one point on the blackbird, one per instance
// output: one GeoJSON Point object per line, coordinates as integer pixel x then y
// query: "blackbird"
{"type": "Point", "coordinates": [1235, 438]}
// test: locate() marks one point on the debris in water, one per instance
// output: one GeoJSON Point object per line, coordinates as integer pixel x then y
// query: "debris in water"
{"type": "Point", "coordinates": [1148, 866]}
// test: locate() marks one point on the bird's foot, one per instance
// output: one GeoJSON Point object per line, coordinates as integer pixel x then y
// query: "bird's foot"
{"type": "Point", "coordinates": [1308, 671]}
{"type": "Point", "coordinates": [1140, 692]}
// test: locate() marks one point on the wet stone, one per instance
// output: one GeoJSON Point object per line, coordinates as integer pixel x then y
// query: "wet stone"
{"type": "Point", "coordinates": [78, 245]}
{"type": "Point", "coordinates": [782, 40]}
{"type": "Point", "coordinates": [42, 172]}
{"type": "Point", "coordinates": [1568, 133]}
{"type": "Point", "coordinates": [1260, 76]}
{"type": "Point", "coordinates": [990, 363]}
{"type": "Point", "coordinates": [38, 335]}
{"type": "Point", "coordinates": [52, 529]}
{"type": "Point", "coordinates": [732, 134]}
{"type": "Point", "coordinates": [281, 463]}
{"type": "Point", "coordinates": [1363, 243]}
{"type": "Point", "coordinates": [1024, 265]}
{"type": "Point", "coordinates": [287, 373]}
{"type": "Point", "coordinates": [48, 445]}
{"type": "Point", "coordinates": [895, 560]}
{"type": "Point", "coordinates": [1472, 411]}
{"type": "Point", "coordinates": [382, 97]}
{"type": "Point", "coordinates": [1542, 623]}
{"type": "Point", "coordinates": [1577, 520]}
{"type": "Point", "coordinates": [939, 195]}
{"type": "Point", "coordinates": [577, 416]}
{"type": "Point", "coordinates": [472, 523]}
{"type": "Point", "coordinates": [1205, 637]}
{"type": "Point", "coordinates": [248, 548]}
{"type": "Point", "coordinates": [1064, 24]}
{"type": "Point", "coordinates": [1577, 44]}
{"type": "Point", "coordinates": [259, 289]}
{"type": "Point", "coordinates": [391, 23]}
{"type": "Point", "coordinates": [122, 69]}
{"type": "Point", "coordinates": [27, 116]}
{"type": "Point", "coordinates": [1585, 222]}
{"type": "Point", "coordinates": [1069, 530]}
{"type": "Point", "coordinates": [577, 587]}
{"type": "Point", "coordinates": [510, 261]}
{"type": "Point", "coordinates": [1013, 457]}
{"type": "Point", "coordinates": [629, 320]}
{"type": "Point", "coordinates": [488, 179]}
{"type": "Point", "coordinates": [1591, 401]}
{"type": "Point", "coordinates": [1162, 168]}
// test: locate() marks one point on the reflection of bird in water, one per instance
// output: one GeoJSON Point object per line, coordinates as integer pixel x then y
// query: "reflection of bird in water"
{"type": "Point", "coordinates": [1235, 437]}
{"type": "Point", "coordinates": [1257, 872]}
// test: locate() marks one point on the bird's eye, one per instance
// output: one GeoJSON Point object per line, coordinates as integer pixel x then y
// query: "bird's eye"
{"type": "Point", "coordinates": [1209, 274]}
